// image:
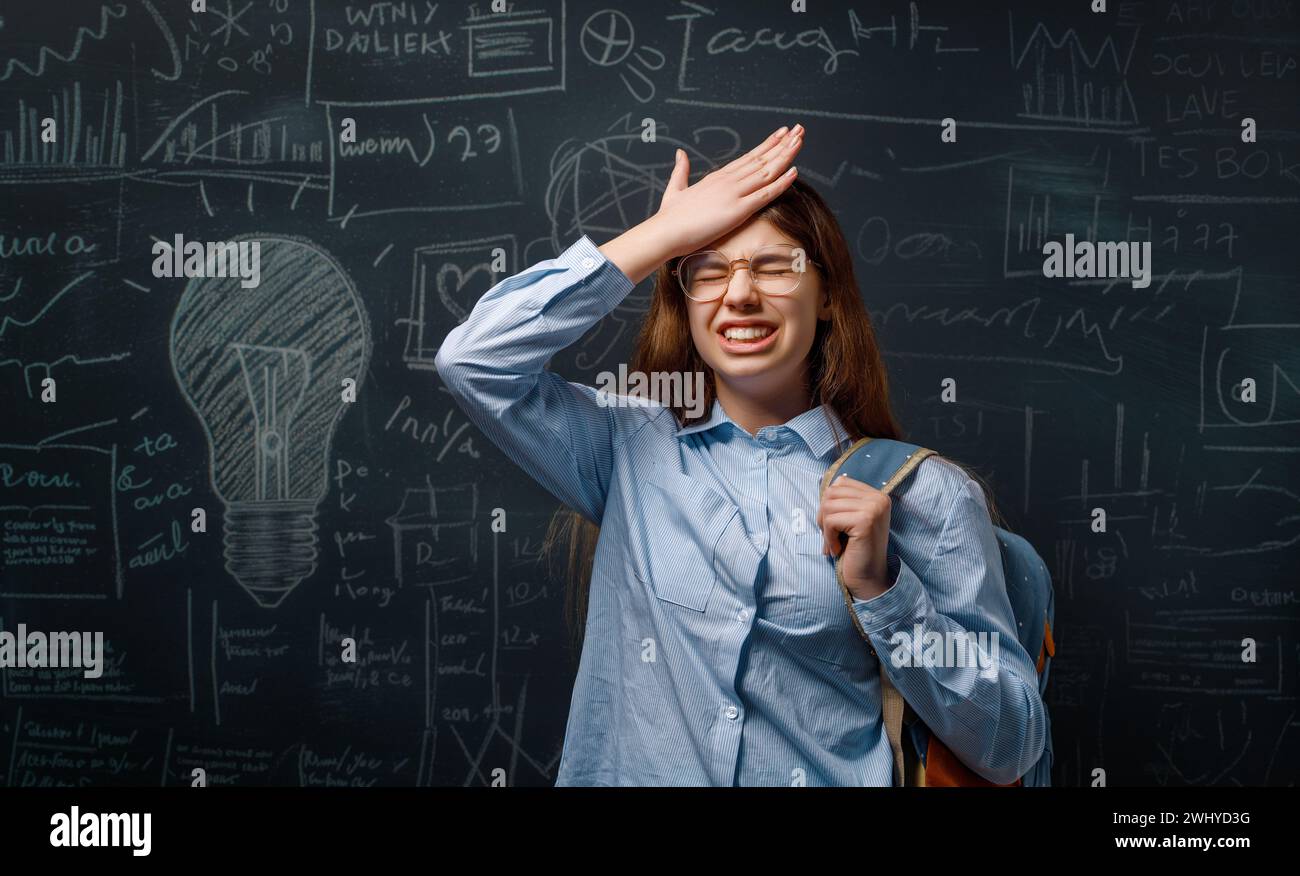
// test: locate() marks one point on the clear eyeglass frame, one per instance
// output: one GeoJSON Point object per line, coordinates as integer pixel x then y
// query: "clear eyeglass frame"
{"type": "Point", "coordinates": [680, 274]}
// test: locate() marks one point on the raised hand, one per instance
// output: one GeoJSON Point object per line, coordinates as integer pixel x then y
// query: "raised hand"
{"type": "Point", "coordinates": [691, 216]}
{"type": "Point", "coordinates": [725, 198]}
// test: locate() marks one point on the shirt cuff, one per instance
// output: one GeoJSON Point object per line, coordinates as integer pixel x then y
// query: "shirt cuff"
{"type": "Point", "coordinates": [586, 260]}
{"type": "Point", "coordinates": [901, 605]}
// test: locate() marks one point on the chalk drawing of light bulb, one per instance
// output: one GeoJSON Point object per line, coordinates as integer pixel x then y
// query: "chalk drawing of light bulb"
{"type": "Point", "coordinates": [263, 368]}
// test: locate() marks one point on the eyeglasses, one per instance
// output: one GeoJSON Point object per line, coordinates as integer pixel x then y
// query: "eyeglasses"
{"type": "Point", "coordinates": [774, 269]}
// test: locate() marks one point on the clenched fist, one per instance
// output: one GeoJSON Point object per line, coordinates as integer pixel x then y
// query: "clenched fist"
{"type": "Point", "coordinates": [859, 512]}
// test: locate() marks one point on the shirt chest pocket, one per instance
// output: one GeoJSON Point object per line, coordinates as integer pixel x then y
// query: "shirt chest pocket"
{"type": "Point", "coordinates": [824, 628]}
{"type": "Point", "coordinates": [683, 523]}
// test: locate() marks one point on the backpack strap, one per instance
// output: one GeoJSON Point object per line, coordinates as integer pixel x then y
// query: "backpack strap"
{"type": "Point", "coordinates": [886, 466]}
{"type": "Point", "coordinates": [892, 707]}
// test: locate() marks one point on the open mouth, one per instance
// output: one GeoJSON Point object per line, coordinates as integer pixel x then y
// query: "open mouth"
{"type": "Point", "coordinates": [747, 338]}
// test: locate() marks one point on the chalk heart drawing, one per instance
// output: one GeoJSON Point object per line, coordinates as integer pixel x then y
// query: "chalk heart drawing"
{"type": "Point", "coordinates": [451, 285]}
{"type": "Point", "coordinates": [263, 369]}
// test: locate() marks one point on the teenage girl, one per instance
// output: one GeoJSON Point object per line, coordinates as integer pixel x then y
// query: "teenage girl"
{"type": "Point", "coordinates": [718, 648]}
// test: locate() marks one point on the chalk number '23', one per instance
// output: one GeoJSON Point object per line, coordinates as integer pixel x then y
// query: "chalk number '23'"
{"type": "Point", "coordinates": [489, 135]}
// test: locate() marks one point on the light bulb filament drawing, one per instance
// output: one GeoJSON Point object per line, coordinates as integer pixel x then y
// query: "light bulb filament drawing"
{"type": "Point", "coordinates": [276, 380]}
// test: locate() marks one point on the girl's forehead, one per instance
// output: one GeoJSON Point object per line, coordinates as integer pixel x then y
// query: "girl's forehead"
{"type": "Point", "coordinates": [751, 235]}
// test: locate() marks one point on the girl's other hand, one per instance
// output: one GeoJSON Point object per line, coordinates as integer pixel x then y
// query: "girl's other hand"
{"type": "Point", "coordinates": [857, 514]}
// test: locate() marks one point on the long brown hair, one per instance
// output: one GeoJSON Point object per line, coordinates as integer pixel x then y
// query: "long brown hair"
{"type": "Point", "coordinates": [845, 372]}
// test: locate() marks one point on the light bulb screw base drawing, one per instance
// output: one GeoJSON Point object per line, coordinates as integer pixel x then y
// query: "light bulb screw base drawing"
{"type": "Point", "coordinates": [270, 547]}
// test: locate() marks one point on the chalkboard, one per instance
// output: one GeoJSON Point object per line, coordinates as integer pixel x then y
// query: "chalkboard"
{"type": "Point", "coordinates": [521, 130]}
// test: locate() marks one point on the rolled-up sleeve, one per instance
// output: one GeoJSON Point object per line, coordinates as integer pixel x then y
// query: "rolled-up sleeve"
{"type": "Point", "coordinates": [987, 709]}
{"type": "Point", "coordinates": [493, 364]}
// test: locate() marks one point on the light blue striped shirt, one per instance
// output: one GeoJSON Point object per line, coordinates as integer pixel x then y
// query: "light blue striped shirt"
{"type": "Point", "coordinates": [718, 647]}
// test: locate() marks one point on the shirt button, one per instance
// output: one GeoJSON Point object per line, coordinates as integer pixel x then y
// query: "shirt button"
{"type": "Point", "coordinates": [744, 615]}
{"type": "Point", "coordinates": [732, 712]}
{"type": "Point", "coordinates": [588, 262]}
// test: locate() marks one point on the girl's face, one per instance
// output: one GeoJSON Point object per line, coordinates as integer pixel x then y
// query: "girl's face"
{"type": "Point", "coordinates": [773, 365]}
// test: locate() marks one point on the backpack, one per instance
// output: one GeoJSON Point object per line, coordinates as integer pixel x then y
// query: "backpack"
{"type": "Point", "coordinates": [885, 463]}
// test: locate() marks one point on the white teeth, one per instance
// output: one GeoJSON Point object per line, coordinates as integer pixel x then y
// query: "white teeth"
{"type": "Point", "coordinates": [746, 333]}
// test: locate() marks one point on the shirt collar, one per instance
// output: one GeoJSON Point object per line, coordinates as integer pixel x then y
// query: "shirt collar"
{"type": "Point", "coordinates": [811, 426]}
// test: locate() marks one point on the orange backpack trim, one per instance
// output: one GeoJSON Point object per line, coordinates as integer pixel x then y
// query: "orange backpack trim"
{"type": "Point", "coordinates": [944, 770]}
{"type": "Point", "coordinates": [1049, 646]}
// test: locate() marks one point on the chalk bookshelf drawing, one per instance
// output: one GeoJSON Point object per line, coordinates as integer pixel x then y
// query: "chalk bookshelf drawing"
{"type": "Point", "coordinates": [263, 369]}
